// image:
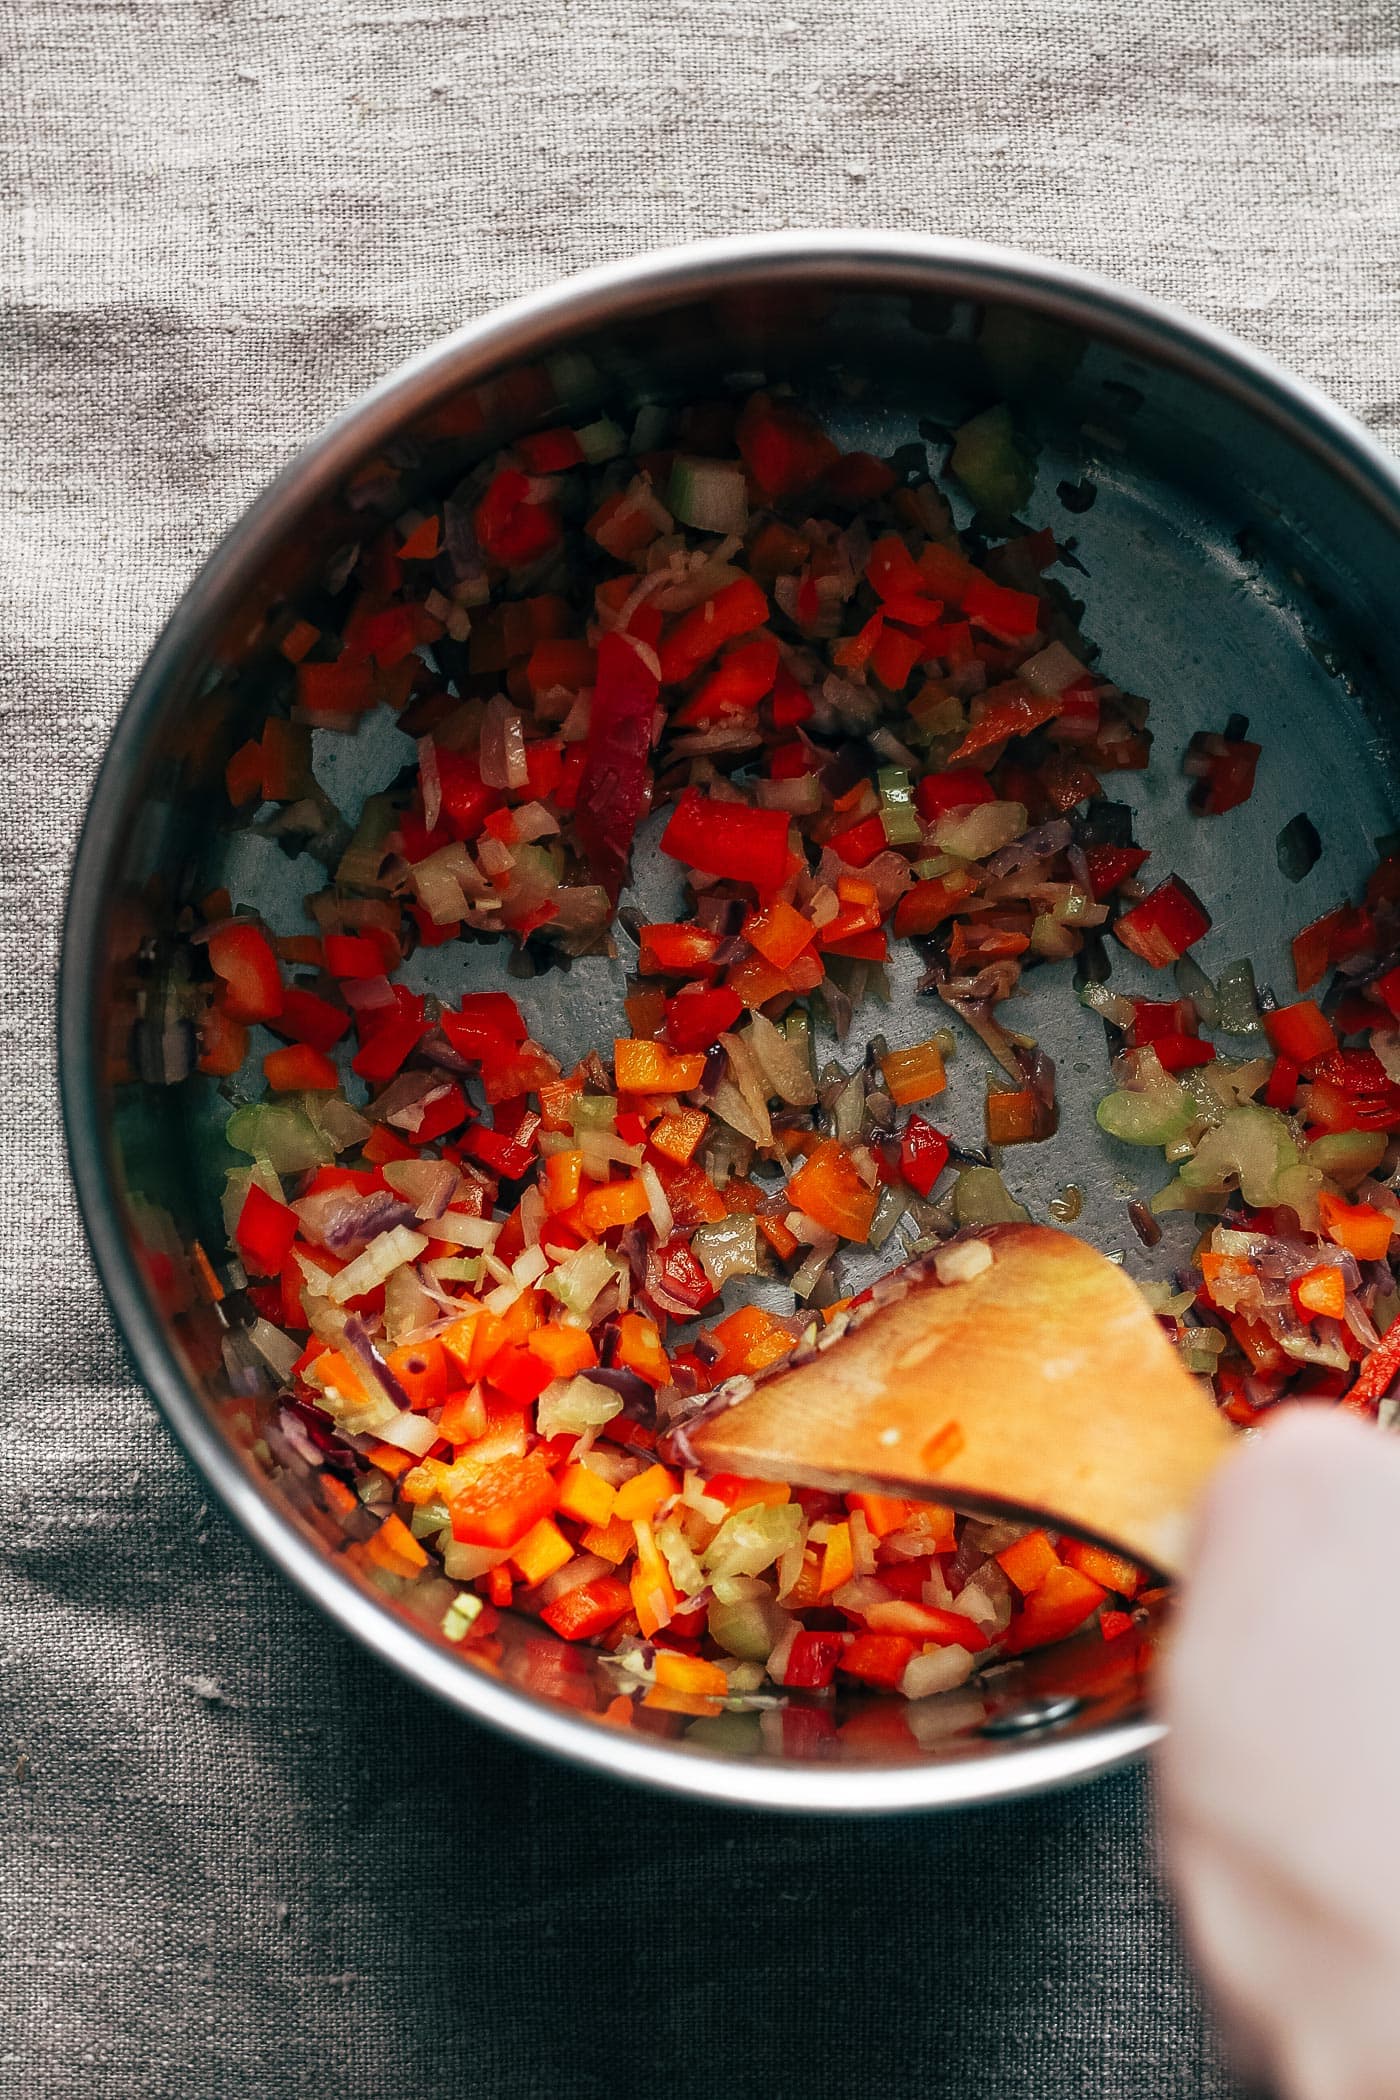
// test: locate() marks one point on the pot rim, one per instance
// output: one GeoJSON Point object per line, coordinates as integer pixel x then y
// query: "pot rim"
{"type": "Point", "coordinates": [540, 321]}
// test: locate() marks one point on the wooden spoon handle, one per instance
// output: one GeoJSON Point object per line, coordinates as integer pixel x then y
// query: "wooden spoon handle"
{"type": "Point", "coordinates": [1041, 1385]}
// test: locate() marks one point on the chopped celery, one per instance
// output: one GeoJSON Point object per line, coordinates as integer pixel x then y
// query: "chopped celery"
{"type": "Point", "coordinates": [897, 811]}
{"type": "Point", "coordinates": [594, 1112]}
{"type": "Point", "coordinates": [1253, 1149]}
{"type": "Point", "coordinates": [286, 1138]}
{"type": "Point", "coordinates": [749, 1629]}
{"type": "Point", "coordinates": [1142, 1119]}
{"type": "Point", "coordinates": [992, 466]}
{"type": "Point", "coordinates": [461, 1615]}
{"type": "Point", "coordinates": [1237, 1001]}
{"type": "Point", "coordinates": [1347, 1156]}
{"type": "Point", "coordinates": [981, 1197]}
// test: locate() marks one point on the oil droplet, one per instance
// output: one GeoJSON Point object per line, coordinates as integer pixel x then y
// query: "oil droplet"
{"type": "Point", "coordinates": [1065, 1207]}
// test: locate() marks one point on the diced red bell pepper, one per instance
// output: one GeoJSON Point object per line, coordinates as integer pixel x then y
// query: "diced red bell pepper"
{"type": "Point", "coordinates": [1221, 772]}
{"type": "Point", "coordinates": [1378, 1373]}
{"type": "Point", "coordinates": [877, 1658]}
{"type": "Point", "coordinates": [938, 793]}
{"type": "Point", "coordinates": [392, 1042]}
{"type": "Point", "coordinates": [1003, 713]}
{"type": "Point", "coordinates": [1301, 1032]}
{"type": "Point", "coordinates": [679, 1274]}
{"type": "Point", "coordinates": [812, 1660]}
{"type": "Point", "coordinates": [588, 1609]}
{"type": "Point", "coordinates": [859, 843]}
{"type": "Point", "coordinates": [511, 527]}
{"type": "Point", "coordinates": [1012, 616]}
{"type": "Point", "coordinates": [308, 1018]}
{"type": "Point", "coordinates": [1110, 865]}
{"type": "Point", "coordinates": [1168, 921]}
{"type": "Point", "coordinates": [243, 957]}
{"type": "Point", "coordinates": [923, 1154]}
{"type": "Point", "coordinates": [498, 1153]}
{"type": "Point", "coordinates": [265, 1231]}
{"type": "Point", "coordinates": [1282, 1089]}
{"type": "Point", "coordinates": [783, 449]}
{"type": "Point", "coordinates": [466, 799]}
{"type": "Point", "coordinates": [790, 702]}
{"type": "Point", "coordinates": [298, 1068]}
{"type": "Point", "coordinates": [353, 955]}
{"type": "Point", "coordinates": [738, 682]}
{"type": "Point", "coordinates": [729, 838]}
{"type": "Point", "coordinates": [699, 1016]}
{"type": "Point", "coordinates": [677, 950]}
{"type": "Point", "coordinates": [928, 904]}
{"type": "Point", "coordinates": [701, 633]}
{"type": "Point", "coordinates": [1182, 1053]}
{"type": "Point", "coordinates": [614, 791]}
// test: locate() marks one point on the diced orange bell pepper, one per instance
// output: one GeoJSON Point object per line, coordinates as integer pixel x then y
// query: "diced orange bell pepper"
{"type": "Point", "coordinates": [422, 1370]}
{"type": "Point", "coordinates": [612, 1541]}
{"type": "Point", "coordinates": [690, 1673]}
{"type": "Point", "coordinates": [640, 1349]}
{"type": "Point", "coordinates": [1110, 1570]}
{"type": "Point", "coordinates": [1359, 1227]}
{"type": "Point", "coordinates": [1028, 1560]}
{"type": "Point", "coordinates": [640, 1496]}
{"type": "Point", "coordinates": [614, 1203]}
{"type": "Point", "coordinates": [1059, 1603]}
{"type": "Point", "coordinates": [749, 1339]}
{"type": "Point", "coordinates": [882, 1513]}
{"type": "Point", "coordinates": [838, 1561]}
{"type": "Point", "coordinates": [394, 1548]}
{"type": "Point", "coordinates": [463, 1417]}
{"type": "Point", "coordinates": [502, 1502]}
{"type": "Point", "coordinates": [653, 1593]}
{"type": "Point", "coordinates": [830, 1191]}
{"type": "Point", "coordinates": [541, 1553]}
{"type": "Point", "coordinates": [779, 933]}
{"type": "Point", "coordinates": [563, 1173]}
{"type": "Point", "coordinates": [1321, 1293]}
{"type": "Point", "coordinates": [566, 1350]}
{"type": "Point", "coordinates": [650, 1068]}
{"type": "Point", "coordinates": [678, 1135]}
{"type": "Point", "coordinates": [915, 1074]}
{"type": "Point", "coordinates": [585, 1496]}
{"type": "Point", "coordinates": [737, 1493]}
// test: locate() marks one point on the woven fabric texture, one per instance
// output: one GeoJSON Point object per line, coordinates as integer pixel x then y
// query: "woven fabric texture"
{"type": "Point", "coordinates": [236, 1856]}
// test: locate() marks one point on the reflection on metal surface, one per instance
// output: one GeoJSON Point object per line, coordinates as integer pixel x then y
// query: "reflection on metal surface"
{"type": "Point", "coordinates": [1237, 541]}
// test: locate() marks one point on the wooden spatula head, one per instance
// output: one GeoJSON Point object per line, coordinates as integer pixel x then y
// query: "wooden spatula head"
{"type": "Point", "coordinates": [1040, 1384]}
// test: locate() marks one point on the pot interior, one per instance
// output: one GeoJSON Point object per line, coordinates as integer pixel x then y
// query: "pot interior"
{"type": "Point", "coordinates": [1225, 567]}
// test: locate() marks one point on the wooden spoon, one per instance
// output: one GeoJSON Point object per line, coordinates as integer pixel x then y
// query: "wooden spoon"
{"type": "Point", "coordinates": [1040, 1384]}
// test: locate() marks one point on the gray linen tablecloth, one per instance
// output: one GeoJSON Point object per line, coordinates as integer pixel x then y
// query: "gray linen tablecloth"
{"type": "Point", "coordinates": [238, 1857]}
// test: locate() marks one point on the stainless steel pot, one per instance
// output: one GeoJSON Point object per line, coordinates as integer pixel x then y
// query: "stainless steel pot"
{"type": "Point", "coordinates": [1239, 540]}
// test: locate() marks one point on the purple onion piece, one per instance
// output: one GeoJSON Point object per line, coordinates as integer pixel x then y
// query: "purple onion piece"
{"type": "Point", "coordinates": [343, 1222]}
{"type": "Point", "coordinates": [356, 1338]}
{"type": "Point", "coordinates": [439, 1051]}
{"type": "Point", "coordinates": [638, 1400]}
